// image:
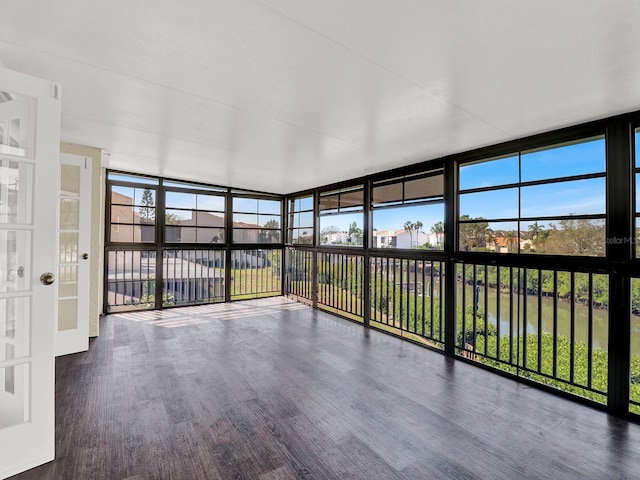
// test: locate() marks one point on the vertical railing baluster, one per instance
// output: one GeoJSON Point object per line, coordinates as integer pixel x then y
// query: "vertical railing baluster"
{"type": "Point", "coordinates": [486, 310]}
{"type": "Point", "coordinates": [590, 334]}
{"type": "Point", "coordinates": [474, 296]}
{"type": "Point", "coordinates": [498, 314]}
{"type": "Point", "coordinates": [511, 316]}
{"type": "Point", "coordinates": [573, 329]}
{"type": "Point", "coordinates": [463, 341]}
{"type": "Point", "coordinates": [555, 323]}
{"type": "Point", "coordinates": [540, 320]}
{"type": "Point", "coordinates": [525, 321]}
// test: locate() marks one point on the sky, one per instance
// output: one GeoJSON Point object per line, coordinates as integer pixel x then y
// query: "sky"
{"type": "Point", "coordinates": [581, 197]}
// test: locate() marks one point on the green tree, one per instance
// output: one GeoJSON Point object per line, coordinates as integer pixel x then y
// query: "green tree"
{"type": "Point", "coordinates": [474, 234]}
{"type": "Point", "coordinates": [268, 232]}
{"type": "Point", "coordinates": [271, 225]}
{"type": "Point", "coordinates": [171, 219]}
{"type": "Point", "coordinates": [409, 226]}
{"type": "Point", "coordinates": [438, 230]}
{"type": "Point", "coordinates": [535, 230]}
{"type": "Point", "coordinates": [146, 210]}
{"type": "Point", "coordinates": [573, 236]}
{"type": "Point", "coordinates": [511, 238]}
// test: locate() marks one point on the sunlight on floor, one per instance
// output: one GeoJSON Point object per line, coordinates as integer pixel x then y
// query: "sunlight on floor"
{"type": "Point", "coordinates": [184, 316]}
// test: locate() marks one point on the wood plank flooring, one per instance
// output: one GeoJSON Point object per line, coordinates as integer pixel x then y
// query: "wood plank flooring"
{"type": "Point", "coordinates": [273, 390]}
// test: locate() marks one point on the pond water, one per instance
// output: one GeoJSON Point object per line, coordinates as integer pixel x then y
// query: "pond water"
{"type": "Point", "coordinates": [581, 315]}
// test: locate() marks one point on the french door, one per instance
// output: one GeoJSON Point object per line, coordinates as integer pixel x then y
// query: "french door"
{"type": "Point", "coordinates": [74, 232]}
{"type": "Point", "coordinates": [29, 146]}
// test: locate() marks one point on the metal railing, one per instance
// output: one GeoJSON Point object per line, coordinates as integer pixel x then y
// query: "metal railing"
{"type": "Point", "coordinates": [255, 273]}
{"type": "Point", "coordinates": [407, 298]}
{"type": "Point", "coordinates": [299, 275]}
{"type": "Point", "coordinates": [634, 367]}
{"type": "Point", "coordinates": [548, 326]}
{"type": "Point", "coordinates": [130, 279]}
{"type": "Point", "coordinates": [340, 284]}
{"type": "Point", "coordinates": [192, 276]}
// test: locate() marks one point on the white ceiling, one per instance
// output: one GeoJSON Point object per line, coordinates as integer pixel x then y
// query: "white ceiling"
{"type": "Point", "coordinates": [283, 95]}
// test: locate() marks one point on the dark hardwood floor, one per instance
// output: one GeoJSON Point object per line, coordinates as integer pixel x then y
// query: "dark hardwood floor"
{"type": "Point", "coordinates": [270, 389]}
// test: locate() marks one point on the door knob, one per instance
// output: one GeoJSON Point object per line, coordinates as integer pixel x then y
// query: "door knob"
{"type": "Point", "coordinates": [85, 256]}
{"type": "Point", "coordinates": [47, 278]}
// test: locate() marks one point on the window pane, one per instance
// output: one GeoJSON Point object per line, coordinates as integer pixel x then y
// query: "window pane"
{"type": "Point", "coordinates": [329, 202]}
{"type": "Point", "coordinates": [180, 235]}
{"type": "Point", "coordinates": [208, 219]}
{"type": "Point", "coordinates": [210, 235]}
{"type": "Point", "coordinates": [305, 220]}
{"type": "Point", "coordinates": [578, 197]}
{"type": "Point", "coordinates": [147, 233]}
{"type": "Point", "coordinates": [502, 237]}
{"type": "Point", "coordinates": [247, 205]}
{"type": "Point", "coordinates": [15, 382]}
{"type": "Point", "coordinates": [122, 195]}
{"type": "Point", "coordinates": [145, 197]}
{"type": "Point", "coordinates": [352, 199]}
{"type": "Point", "coordinates": [341, 229]}
{"type": "Point", "coordinates": [387, 194]}
{"type": "Point", "coordinates": [245, 220]}
{"type": "Point", "coordinates": [425, 227]}
{"type": "Point", "coordinates": [210, 202]}
{"type": "Point", "coordinates": [490, 173]}
{"type": "Point", "coordinates": [501, 203]}
{"type": "Point", "coordinates": [563, 161]}
{"type": "Point", "coordinates": [269, 221]}
{"type": "Point", "coordinates": [432, 186]}
{"type": "Point", "coordinates": [638, 191]}
{"type": "Point", "coordinates": [122, 233]}
{"type": "Point", "coordinates": [177, 217]}
{"type": "Point", "coordinates": [180, 200]}
{"type": "Point", "coordinates": [269, 206]}
{"type": "Point", "coordinates": [250, 235]}
{"type": "Point", "coordinates": [567, 236]}
{"type": "Point", "coordinates": [302, 236]}
{"type": "Point", "coordinates": [304, 203]}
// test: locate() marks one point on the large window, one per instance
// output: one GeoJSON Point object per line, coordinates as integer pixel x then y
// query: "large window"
{"type": "Point", "coordinates": [256, 220]}
{"type": "Point", "coordinates": [132, 210]}
{"type": "Point", "coordinates": [301, 220]}
{"type": "Point", "coordinates": [408, 212]}
{"type": "Point", "coordinates": [177, 243]}
{"type": "Point", "coordinates": [194, 217]}
{"type": "Point", "coordinates": [550, 200]}
{"type": "Point", "coordinates": [341, 217]}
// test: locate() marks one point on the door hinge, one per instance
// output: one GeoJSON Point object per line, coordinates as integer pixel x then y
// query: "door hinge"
{"type": "Point", "coordinates": [56, 90]}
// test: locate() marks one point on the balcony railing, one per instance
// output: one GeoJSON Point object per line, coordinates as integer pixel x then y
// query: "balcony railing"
{"type": "Point", "coordinates": [340, 284]}
{"type": "Point", "coordinates": [407, 298]}
{"type": "Point", "coordinates": [130, 279]}
{"type": "Point", "coordinates": [299, 275]}
{"type": "Point", "coordinates": [255, 273]}
{"type": "Point", "coordinates": [192, 276]}
{"type": "Point", "coordinates": [634, 370]}
{"type": "Point", "coordinates": [548, 326]}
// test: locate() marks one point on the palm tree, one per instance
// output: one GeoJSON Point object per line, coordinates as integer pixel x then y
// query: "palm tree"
{"type": "Point", "coordinates": [535, 230]}
{"type": "Point", "coordinates": [418, 225]}
{"type": "Point", "coordinates": [438, 229]}
{"type": "Point", "coordinates": [510, 237]}
{"type": "Point", "coordinates": [408, 225]}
